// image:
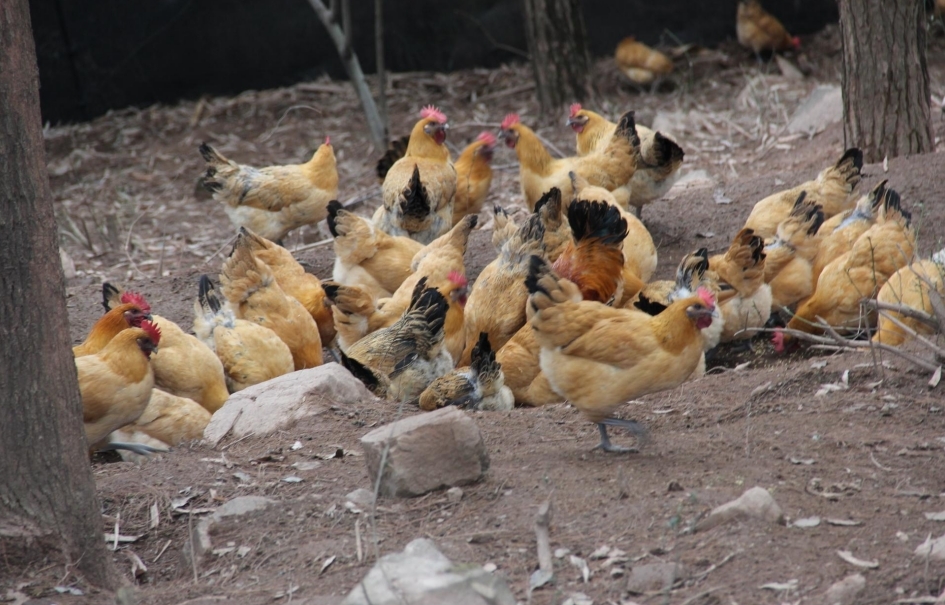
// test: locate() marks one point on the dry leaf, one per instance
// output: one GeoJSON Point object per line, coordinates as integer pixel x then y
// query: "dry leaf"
{"type": "Point", "coordinates": [847, 556]}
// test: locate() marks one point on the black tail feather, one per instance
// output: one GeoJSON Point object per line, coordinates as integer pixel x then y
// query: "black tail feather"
{"type": "Point", "coordinates": [597, 220]}
{"type": "Point", "coordinates": [396, 150]}
{"type": "Point", "coordinates": [109, 292]}
{"type": "Point", "coordinates": [415, 203]}
{"type": "Point", "coordinates": [334, 207]}
{"type": "Point", "coordinates": [361, 372]}
{"type": "Point", "coordinates": [537, 267]}
{"type": "Point", "coordinates": [206, 294]}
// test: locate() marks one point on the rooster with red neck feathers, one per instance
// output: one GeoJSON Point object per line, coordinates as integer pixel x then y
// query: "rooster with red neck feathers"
{"type": "Point", "coordinates": [418, 189]}
{"type": "Point", "coordinates": [599, 357]}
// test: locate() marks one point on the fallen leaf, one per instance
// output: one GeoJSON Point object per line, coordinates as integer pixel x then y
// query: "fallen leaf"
{"type": "Point", "coordinates": [804, 461]}
{"type": "Point", "coordinates": [807, 522]}
{"type": "Point", "coordinates": [779, 586]}
{"type": "Point", "coordinates": [121, 538]}
{"type": "Point", "coordinates": [818, 364]}
{"type": "Point", "coordinates": [843, 522]}
{"type": "Point", "coordinates": [600, 553]}
{"type": "Point", "coordinates": [296, 446]}
{"type": "Point", "coordinates": [539, 578]}
{"type": "Point", "coordinates": [292, 479]}
{"type": "Point", "coordinates": [581, 564]}
{"type": "Point", "coordinates": [886, 164]}
{"type": "Point", "coordinates": [935, 516]}
{"type": "Point", "coordinates": [847, 556]}
{"type": "Point", "coordinates": [327, 563]}
{"type": "Point", "coordinates": [720, 197]}
{"type": "Point", "coordinates": [706, 235]}
{"type": "Point", "coordinates": [936, 378]}
{"type": "Point", "coordinates": [741, 366]}
{"type": "Point", "coordinates": [155, 516]}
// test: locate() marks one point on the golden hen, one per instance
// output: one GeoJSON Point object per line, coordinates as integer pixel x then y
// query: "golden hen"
{"type": "Point", "coordinates": [760, 31]}
{"type": "Point", "coordinates": [481, 386]}
{"type": "Point", "coordinates": [640, 63]}
{"type": "Point", "coordinates": [919, 286]}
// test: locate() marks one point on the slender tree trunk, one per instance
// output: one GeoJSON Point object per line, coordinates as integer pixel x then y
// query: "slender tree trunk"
{"type": "Point", "coordinates": [47, 493]}
{"type": "Point", "coordinates": [885, 78]}
{"type": "Point", "coordinates": [557, 43]}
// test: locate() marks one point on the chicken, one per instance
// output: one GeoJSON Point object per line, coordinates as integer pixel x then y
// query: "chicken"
{"type": "Point", "coordinates": [479, 387]}
{"type": "Point", "coordinates": [116, 382]}
{"type": "Point", "coordinates": [418, 189]}
{"type": "Point", "coordinates": [503, 227]}
{"type": "Point", "coordinates": [639, 251]}
{"type": "Point", "coordinates": [911, 287]}
{"type": "Point", "coordinates": [294, 281]}
{"type": "Point", "coordinates": [611, 167]}
{"type": "Point", "coordinates": [660, 156]}
{"type": "Point", "coordinates": [184, 366]}
{"type": "Point", "coordinates": [640, 63]}
{"type": "Point", "coordinates": [121, 317]}
{"type": "Point", "coordinates": [395, 150]}
{"type": "Point", "coordinates": [167, 421]}
{"type": "Point", "coordinates": [832, 189]}
{"type": "Point", "coordinates": [759, 31]}
{"type": "Point", "coordinates": [594, 259]}
{"type": "Point", "coordinates": [250, 353]}
{"type": "Point", "coordinates": [742, 268]}
{"type": "Point", "coordinates": [882, 250]}
{"type": "Point", "coordinates": [496, 303]}
{"type": "Point", "coordinates": [367, 257]}
{"type": "Point", "coordinates": [252, 291]}
{"type": "Point", "coordinates": [598, 357]}
{"type": "Point", "coordinates": [275, 200]}
{"type": "Point", "coordinates": [839, 233]}
{"type": "Point", "coordinates": [440, 263]}
{"type": "Point", "coordinates": [473, 176]}
{"type": "Point", "coordinates": [399, 362]}
{"type": "Point", "coordinates": [789, 257]}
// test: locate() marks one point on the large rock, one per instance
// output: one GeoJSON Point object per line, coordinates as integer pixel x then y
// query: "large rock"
{"type": "Point", "coordinates": [755, 503]}
{"type": "Point", "coordinates": [822, 108]}
{"type": "Point", "coordinates": [275, 404]}
{"type": "Point", "coordinates": [427, 451]}
{"type": "Point", "coordinates": [422, 575]}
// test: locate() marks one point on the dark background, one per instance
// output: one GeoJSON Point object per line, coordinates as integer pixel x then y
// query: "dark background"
{"type": "Point", "coordinates": [96, 55]}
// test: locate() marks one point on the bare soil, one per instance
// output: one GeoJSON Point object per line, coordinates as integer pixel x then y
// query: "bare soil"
{"type": "Point", "coordinates": [869, 454]}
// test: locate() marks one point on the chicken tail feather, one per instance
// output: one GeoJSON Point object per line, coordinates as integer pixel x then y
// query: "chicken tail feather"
{"type": "Point", "coordinates": [415, 202]}
{"type": "Point", "coordinates": [594, 220]}
{"type": "Point", "coordinates": [334, 207]}
{"type": "Point", "coordinates": [111, 296]}
{"type": "Point", "coordinates": [207, 295]}
{"type": "Point", "coordinates": [396, 150]}
{"type": "Point", "coordinates": [361, 372]}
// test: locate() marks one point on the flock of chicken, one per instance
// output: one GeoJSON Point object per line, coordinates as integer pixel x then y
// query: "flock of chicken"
{"type": "Point", "coordinates": [567, 310]}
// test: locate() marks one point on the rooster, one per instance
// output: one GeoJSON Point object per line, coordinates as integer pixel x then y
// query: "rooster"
{"type": "Point", "coordinates": [598, 357]}
{"type": "Point", "coordinates": [660, 157]}
{"type": "Point", "coordinates": [116, 382]}
{"type": "Point", "coordinates": [275, 200]}
{"type": "Point", "coordinates": [184, 366]}
{"type": "Point", "coordinates": [418, 189]}
{"type": "Point", "coordinates": [481, 386]}
{"type": "Point", "coordinates": [120, 317]}
{"type": "Point", "coordinates": [611, 167]}
{"type": "Point", "coordinates": [399, 362]}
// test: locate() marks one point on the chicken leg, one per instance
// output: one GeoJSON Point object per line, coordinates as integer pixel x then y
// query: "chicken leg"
{"type": "Point", "coordinates": [605, 445]}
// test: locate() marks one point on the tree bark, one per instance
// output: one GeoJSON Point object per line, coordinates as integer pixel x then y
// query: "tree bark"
{"type": "Point", "coordinates": [557, 43]}
{"type": "Point", "coordinates": [47, 493]}
{"type": "Point", "coordinates": [886, 108]}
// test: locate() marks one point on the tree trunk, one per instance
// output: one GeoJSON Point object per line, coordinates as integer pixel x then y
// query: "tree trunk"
{"type": "Point", "coordinates": [557, 43]}
{"type": "Point", "coordinates": [885, 78]}
{"type": "Point", "coordinates": [47, 493]}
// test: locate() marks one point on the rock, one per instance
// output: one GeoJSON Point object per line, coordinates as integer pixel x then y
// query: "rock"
{"type": "Point", "coordinates": [822, 108]}
{"type": "Point", "coordinates": [361, 498]}
{"type": "Point", "coordinates": [454, 494]}
{"type": "Point", "coordinates": [788, 69]}
{"type": "Point", "coordinates": [755, 503]}
{"type": "Point", "coordinates": [275, 404]}
{"type": "Point", "coordinates": [427, 451]}
{"type": "Point", "coordinates": [845, 591]}
{"type": "Point", "coordinates": [68, 265]}
{"type": "Point", "coordinates": [653, 577]}
{"type": "Point", "coordinates": [422, 575]}
{"type": "Point", "coordinates": [933, 549]}
{"type": "Point", "coordinates": [200, 535]}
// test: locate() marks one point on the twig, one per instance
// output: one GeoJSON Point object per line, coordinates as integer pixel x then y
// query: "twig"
{"type": "Point", "coordinates": [928, 343]}
{"type": "Point", "coordinates": [168, 543]}
{"type": "Point", "coordinates": [717, 565]}
{"type": "Point", "coordinates": [193, 548]}
{"type": "Point", "coordinates": [543, 538]}
{"type": "Point", "coordinates": [318, 244]}
{"type": "Point", "coordinates": [905, 311]}
{"type": "Point", "coordinates": [229, 445]}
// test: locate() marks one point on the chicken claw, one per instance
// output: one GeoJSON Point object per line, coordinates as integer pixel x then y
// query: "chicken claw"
{"type": "Point", "coordinates": [605, 444]}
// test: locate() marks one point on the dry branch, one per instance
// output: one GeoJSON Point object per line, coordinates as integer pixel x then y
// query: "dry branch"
{"type": "Point", "coordinates": [341, 36]}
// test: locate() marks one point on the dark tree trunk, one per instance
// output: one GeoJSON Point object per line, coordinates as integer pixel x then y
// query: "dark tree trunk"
{"type": "Point", "coordinates": [885, 78]}
{"type": "Point", "coordinates": [557, 43]}
{"type": "Point", "coordinates": [47, 493]}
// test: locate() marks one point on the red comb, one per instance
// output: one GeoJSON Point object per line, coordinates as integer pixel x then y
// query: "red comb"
{"type": "Point", "coordinates": [778, 340]}
{"type": "Point", "coordinates": [796, 42]}
{"type": "Point", "coordinates": [433, 113]}
{"type": "Point", "coordinates": [575, 108]}
{"type": "Point", "coordinates": [510, 120]}
{"type": "Point", "coordinates": [327, 139]}
{"type": "Point", "coordinates": [457, 278]}
{"type": "Point", "coordinates": [153, 331]}
{"type": "Point", "coordinates": [134, 298]}
{"type": "Point", "coordinates": [706, 296]}
{"type": "Point", "coordinates": [487, 137]}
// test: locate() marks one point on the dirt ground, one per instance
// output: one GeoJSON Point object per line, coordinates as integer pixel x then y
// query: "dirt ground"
{"type": "Point", "coordinates": [864, 459]}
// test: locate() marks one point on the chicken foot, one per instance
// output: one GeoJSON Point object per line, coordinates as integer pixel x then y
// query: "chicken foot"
{"type": "Point", "coordinates": [605, 445]}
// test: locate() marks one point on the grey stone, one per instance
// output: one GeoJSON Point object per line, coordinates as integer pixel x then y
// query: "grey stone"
{"type": "Point", "coordinates": [427, 451]}
{"type": "Point", "coordinates": [653, 577]}
{"type": "Point", "coordinates": [454, 494]}
{"type": "Point", "coordinates": [755, 503]}
{"type": "Point", "coordinates": [199, 543]}
{"type": "Point", "coordinates": [278, 403]}
{"type": "Point", "coordinates": [241, 505]}
{"type": "Point", "coordinates": [822, 108]}
{"type": "Point", "coordinates": [362, 498]}
{"type": "Point", "coordinates": [846, 591]}
{"type": "Point", "coordinates": [422, 575]}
